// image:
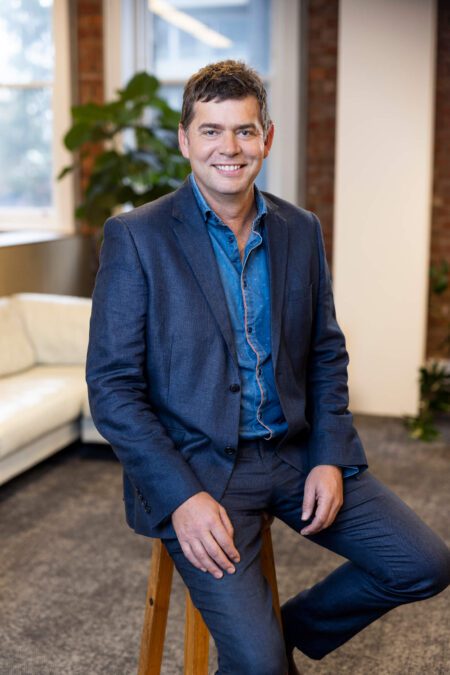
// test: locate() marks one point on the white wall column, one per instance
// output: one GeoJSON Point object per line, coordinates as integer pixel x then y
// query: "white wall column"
{"type": "Point", "coordinates": [385, 115]}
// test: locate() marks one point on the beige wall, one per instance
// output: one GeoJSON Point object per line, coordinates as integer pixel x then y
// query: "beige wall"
{"type": "Point", "coordinates": [383, 196]}
{"type": "Point", "coordinates": [63, 266]}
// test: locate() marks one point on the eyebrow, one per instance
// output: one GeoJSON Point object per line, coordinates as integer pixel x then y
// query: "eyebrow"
{"type": "Point", "coordinates": [239, 127]}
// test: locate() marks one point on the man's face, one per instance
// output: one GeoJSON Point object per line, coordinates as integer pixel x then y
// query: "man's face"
{"type": "Point", "coordinates": [225, 145]}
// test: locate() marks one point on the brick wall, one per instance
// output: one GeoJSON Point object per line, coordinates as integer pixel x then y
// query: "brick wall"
{"type": "Point", "coordinates": [89, 35]}
{"type": "Point", "coordinates": [438, 319]}
{"type": "Point", "coordinates": [89, 81]}
{"type": "Point", "coordinates": [321, 112]}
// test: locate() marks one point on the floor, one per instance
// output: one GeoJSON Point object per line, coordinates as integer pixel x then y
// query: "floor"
{"type": "Point", "coordinates": [73, 580]}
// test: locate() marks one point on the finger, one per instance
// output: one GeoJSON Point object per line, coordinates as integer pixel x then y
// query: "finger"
{"type": "Point", "coordinates": [315, 526]}
{"type": "Point", "coordinates": [226, 521]}
{"type": "Point", "coordinates": [225, 537]}
{"type": "Point", "coordinates": [333, 514]}
{"type": "Point", "coordinates": [320, 518]}
{"type": "Point", "coordinates": [309, 501]}
{"type": "Point", "coordinates": [216, 552]}
{"type": "Point", "coordinates": [190, 555]}
{"type": "Point", "coordinates": [205, 559]}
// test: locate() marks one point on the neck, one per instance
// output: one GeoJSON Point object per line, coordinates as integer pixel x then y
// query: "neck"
{"type": "Point", "coordinates": [236, 211]}
{"type": "Point", "coordinates": [238, 217]}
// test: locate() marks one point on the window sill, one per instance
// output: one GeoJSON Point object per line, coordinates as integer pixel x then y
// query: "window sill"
{"type": "Point", "coordinates": [31, 237]}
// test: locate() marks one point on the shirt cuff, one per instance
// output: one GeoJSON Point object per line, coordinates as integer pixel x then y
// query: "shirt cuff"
{"type": "Point", "coordinates": [348, 471]}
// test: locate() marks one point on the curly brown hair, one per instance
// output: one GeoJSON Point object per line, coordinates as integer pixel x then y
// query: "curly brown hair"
{"type": "Point", "coordinates": [224, 80]}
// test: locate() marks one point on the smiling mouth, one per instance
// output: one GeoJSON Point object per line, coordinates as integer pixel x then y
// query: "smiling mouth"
{"type": "Point", "coordinates": [229, 168]}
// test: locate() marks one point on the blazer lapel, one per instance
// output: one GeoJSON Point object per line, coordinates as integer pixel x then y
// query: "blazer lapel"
{"type": "Point", "coordinates": [196, 246]}
{"type": "Point", "coordinates": [277, 237]}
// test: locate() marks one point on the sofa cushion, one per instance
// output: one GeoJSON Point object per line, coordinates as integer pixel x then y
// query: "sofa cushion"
{"type": "Point", "coordinates": [57, 325]}
{"type": "Point", "coordinates": [37, 401]}
{"type": "Point", "coordinates": [16, 350]}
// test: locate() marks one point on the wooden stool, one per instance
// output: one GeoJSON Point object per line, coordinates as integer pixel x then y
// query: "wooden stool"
{"type": "Point", "coordinates": [196, 638]}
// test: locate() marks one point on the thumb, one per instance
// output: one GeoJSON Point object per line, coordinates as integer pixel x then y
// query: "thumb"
{"type": "Point", "coordinates": [308, 501]}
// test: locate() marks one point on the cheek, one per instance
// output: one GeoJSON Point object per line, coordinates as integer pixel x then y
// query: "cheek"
{"type": "Point", "coordinates": [200, 153]}
{"type": "Point", "coordinates": [258, 151]}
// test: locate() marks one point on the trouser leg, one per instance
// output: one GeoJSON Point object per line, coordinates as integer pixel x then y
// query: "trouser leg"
{"type": "Point", "coordinates": [238, 608]}
{"type": "Point", "coordinates": [394, 558]}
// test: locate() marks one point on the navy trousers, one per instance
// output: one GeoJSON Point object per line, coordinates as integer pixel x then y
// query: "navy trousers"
{"type": "Point", "coordinates": [393, 558]}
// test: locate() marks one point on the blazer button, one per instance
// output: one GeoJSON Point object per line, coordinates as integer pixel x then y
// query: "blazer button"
{"type": "Point", "coordinates": [230, 451]}
{"type": "Point", "coordinates": [235, 387]}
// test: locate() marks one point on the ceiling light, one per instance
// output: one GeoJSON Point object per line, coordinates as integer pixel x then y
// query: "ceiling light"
{"type": "Point", "coordinates": [190, 25]}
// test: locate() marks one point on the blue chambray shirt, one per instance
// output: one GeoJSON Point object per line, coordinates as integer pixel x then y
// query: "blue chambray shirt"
{"type": "Point", "coordinates": [247, 291]}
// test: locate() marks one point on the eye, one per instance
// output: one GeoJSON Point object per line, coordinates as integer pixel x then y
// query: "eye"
{"type": "Point", "coordinates": [246, 133]}
{"type": "Point", "coordinates": [210, 132]}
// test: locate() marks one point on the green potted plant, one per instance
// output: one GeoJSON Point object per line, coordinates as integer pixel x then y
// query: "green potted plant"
{"type": "Point", "coordinates": [134, 146]}
{"type": "Point", "coordinates": [434, 377]}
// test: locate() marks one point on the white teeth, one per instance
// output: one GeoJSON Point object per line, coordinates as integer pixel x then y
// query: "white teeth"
{"type": "Point", "coordinates": [228, 167]}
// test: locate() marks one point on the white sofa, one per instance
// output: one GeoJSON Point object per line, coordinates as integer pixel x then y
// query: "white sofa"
{"type": "Point", "coordinates": [43, 393]}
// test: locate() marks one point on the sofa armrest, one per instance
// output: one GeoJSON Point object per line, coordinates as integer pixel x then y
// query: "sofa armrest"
{"type": "Point", "coordinates": [56, 325]}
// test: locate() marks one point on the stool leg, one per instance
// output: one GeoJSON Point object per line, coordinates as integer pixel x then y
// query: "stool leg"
{"type": "Point", "coordinates": [156, 610]}
{"type": "Point", "coordinates": [196, 641]}
{"type": "Point", "coordinates": [268, 569]}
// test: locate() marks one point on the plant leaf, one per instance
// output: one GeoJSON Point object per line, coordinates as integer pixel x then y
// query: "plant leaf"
{"type": "Point", "coordinates": [142, 85]}
{"type": "Point", "coordinates": [65, 171]}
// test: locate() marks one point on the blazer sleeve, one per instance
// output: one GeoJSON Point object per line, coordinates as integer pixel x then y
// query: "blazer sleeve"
{"type": "Point", "coordinates": [117, 384]}
{"type": "Point", "coordinates": [333, 438]}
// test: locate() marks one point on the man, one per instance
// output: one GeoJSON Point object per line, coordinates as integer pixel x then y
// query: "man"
{"type": "Point", "coordinates": [218, 373]}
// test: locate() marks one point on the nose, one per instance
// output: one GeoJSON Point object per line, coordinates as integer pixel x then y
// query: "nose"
{"type": "Point", "coordinates": [230, 145]}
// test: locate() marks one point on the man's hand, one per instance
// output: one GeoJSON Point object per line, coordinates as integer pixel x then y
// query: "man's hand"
{"type": "Point", "coordinates": [324, 486]}
{"type": "Point", "coordinates": [205, 534]}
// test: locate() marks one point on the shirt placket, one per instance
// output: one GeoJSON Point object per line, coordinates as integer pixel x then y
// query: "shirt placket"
{"type": "Point", "coordinates": [249, 325]}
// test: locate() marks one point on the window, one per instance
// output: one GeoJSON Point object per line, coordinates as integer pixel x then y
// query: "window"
{"type": "Point", "coordinates": [186, 34]}
{"type": "Point", "coordinates": [34, 114]}
{"type": "Point", "coordinates": [174, 38]}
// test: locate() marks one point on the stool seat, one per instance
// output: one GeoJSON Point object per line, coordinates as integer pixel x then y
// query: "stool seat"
{"type": "Point", "coordinates": [196, 636]}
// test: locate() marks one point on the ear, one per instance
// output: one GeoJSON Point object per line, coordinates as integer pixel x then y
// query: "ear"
{"type": "Point", "coordinates": [183, 141]}
{"type": "Point", "coordinates": [269, 140]}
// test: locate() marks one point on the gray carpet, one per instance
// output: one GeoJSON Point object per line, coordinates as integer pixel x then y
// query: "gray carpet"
{"type": "Point", "coordinates": [74, 577]}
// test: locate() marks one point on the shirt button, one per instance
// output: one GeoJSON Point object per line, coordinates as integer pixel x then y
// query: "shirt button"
{"type": "Point", "coordinates": [230, 451]}
{"type": "Point", "coordinates": [245, 284]}
{"type": "Point", "coordinates": [231, 238]}
{"type": "Point", "coordinates": [250, 329]}
{"type": "Point", "coordinates": [259, 371]}
{"type": "Point", "coordinates": [235, 387]}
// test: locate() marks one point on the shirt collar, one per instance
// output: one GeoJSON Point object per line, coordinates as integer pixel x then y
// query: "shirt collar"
{"type": "Point", "coordinates": [207, 212]}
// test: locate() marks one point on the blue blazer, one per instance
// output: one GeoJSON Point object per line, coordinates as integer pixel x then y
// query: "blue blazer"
{"type": "Point", "coordinates": [161, 363]}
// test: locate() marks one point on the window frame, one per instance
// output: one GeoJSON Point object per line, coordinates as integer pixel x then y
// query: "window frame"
{"type": "Point", "coordinates": [59, 217]}
{"type": "Point", "coordinates": [286, 170]}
